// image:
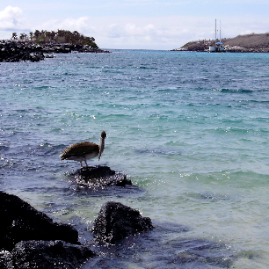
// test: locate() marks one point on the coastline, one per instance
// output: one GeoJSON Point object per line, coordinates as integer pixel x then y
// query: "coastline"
{"type": "Point", "coordinates": [257, 43]}
{"type": "Point", "coordinates": [198, 46]}
{"type": "Point", "coordinates": [15, 51]}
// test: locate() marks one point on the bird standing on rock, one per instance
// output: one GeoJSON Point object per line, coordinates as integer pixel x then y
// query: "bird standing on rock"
{"type": "Point", "coordinates": [83, 151]}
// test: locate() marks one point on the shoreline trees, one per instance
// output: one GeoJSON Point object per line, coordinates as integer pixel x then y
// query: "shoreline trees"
{"type": "Point", "coordinates": [61, 36]}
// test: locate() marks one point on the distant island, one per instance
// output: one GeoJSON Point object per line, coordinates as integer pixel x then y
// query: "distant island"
{"type": "Point", "coordinates": [41, 44]}
{"type": "Point", "coordinates": [242, 43]}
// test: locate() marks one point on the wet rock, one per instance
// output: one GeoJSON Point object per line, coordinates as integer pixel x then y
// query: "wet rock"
{"type": "Point", "coordinates": [16, 56]}
{"type": "Point", "coordinates": [6, 260]}
{"type": "Point", "coordinates": [20, 221]}
{"type": "Point", "coordinates": [116, 221]}
{"type": "Point", "coordinates": [100, 176]}
{"type": "Point", "coordinates": [36, 56]}
{"type": "Point", "coordinates": [49, 254]}
{"type": "Point", "coordinates": [17, 51]}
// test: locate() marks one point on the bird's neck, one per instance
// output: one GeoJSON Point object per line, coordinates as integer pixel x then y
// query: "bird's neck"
{"type": "Point", "coordinates": [102, 146]}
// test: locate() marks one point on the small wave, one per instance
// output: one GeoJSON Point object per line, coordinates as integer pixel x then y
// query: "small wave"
{"type": "Point", "coordinates": [243, 91]}
{"type": "Point", "coordinates": [158, 116]}
{"type": "Point", "coordinates": [69, 74]}
{"type": "Point", "coordinates": [158, 151]}
{"type": "Point", "coordinates": [112, 71]}
{"type": "Point", "coordinates": [7, 163]}
{"type": "Point", "coordinates": [231, 130]}
{"type": "Point", "coordinates": [144, 67]}
{"type": "Point", "coordinates": [208, 196]}
{"type": "Point", "coordinates": [43, 87]}
{"type": "Point", "coordinates": [55, 130]}
{"type": "Point", "coordinates": [259, 101]}
{"type": "Point", "coordinates": [32, 151]}
{"type": "Point", "coordinates": [49, 149]}
{"type": "Point", "coordinates": [3, 149]}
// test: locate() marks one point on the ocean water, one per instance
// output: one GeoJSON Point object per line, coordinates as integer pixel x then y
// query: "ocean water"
{"type": "Point", "coordinates": [189, 129]}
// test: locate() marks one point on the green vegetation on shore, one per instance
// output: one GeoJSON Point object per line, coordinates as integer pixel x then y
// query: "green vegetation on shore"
{"type": "Point", "coordinates": [61, 36]}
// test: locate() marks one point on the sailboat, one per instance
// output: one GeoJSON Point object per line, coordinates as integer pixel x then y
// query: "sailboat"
{"type": "Point", "coordinates": [218, 47]}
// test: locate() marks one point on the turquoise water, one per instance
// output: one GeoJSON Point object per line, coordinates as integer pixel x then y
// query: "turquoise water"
{"type": "Point", "coordinates": [189, 129]}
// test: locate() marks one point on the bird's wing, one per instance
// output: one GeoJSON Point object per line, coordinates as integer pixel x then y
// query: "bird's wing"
{"type": "Point", "coordinates": [79, 149]}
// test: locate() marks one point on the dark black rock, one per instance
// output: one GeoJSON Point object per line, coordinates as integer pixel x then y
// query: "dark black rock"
{"type": "Point", "coordinates": [36, 56]}
{"type": "Point", "coordinates": [11, 51]}
{"type": "Point", "coordinates": [20, 221]}
{"type": "Point", "coordinates": [100, 176]}
{"type": "Point", "coordinates": [116, 221]}
{"type": "Point", "coordinates": [6, 260]}
{"type": "Point", "coordinates": [17, 51]}
{"type": "Point", "coordinates": [49, 254]}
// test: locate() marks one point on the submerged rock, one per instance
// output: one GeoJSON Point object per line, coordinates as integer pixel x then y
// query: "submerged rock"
{"type": "Point", "coordinates": [167, 246]}
{"type": "Point", "coordinates": [49, 254]}
{"type": "Point", "coordinates": [116, 221]}
{"type": "Point", "coordinates": [20, 221]}
{"type": "Point", "coordinates": [100, 176]}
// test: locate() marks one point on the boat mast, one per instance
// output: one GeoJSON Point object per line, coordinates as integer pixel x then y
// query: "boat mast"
{"type": "Point", "coordinates": [220, 31]}
{"type": "Point", "coordinates": [215, 30]}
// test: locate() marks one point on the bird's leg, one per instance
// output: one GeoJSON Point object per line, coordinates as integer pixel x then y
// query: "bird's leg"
{"type": "Point", "coordinates": [88, 165]}
{"type": "Point", "coordinates": [81, 164]}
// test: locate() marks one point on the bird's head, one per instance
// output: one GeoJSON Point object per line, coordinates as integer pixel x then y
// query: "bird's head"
{"type": "Point", "coordinates": [103, 134]}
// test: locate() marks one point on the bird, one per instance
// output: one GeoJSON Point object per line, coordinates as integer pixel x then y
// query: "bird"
{"type": "Point", "coordinates": [83, 151]}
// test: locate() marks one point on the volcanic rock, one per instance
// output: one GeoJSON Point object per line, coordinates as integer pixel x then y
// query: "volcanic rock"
{"type": "Point", "coordinates": [116, 221]}
{"type": "Point", "coordinates": [6, 260]}
{"type": "Point", "coordinates": [100, 176]}
{"type": "Point", "coordinates": [20, 221]}
{"type": "Point", "coordinates": [15, 51]}
{"type": "Point", "coordinates": [49, 254]}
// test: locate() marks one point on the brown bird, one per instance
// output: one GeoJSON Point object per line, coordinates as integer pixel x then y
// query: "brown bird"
{"type": "Point", "coordinates": [83, 151]}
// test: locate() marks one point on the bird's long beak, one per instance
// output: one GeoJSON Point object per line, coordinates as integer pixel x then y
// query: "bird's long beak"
{"type": "Point", "coordinates": [102, 147]}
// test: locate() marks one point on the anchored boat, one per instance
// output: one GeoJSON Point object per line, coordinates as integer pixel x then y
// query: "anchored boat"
{"type": "Point", "coordinates": [218, 46]}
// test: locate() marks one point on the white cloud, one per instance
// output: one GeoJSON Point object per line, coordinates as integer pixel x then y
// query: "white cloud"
{"type": "Point", "coordinates": [12, 20]}
{"type": "Point", "coordinates": [153, 33]}
{"type": "Point", "coordinates": [126, 32]}
{"type": "Point", "coordinates": [162, 32]}
{"type": "Point", "coordinates": [10, 17]}
{"type": "Point", "coordinates": [81, 25]}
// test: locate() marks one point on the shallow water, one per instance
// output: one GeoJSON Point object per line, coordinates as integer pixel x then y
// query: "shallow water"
{"type": "Point", "coordinates": [189, 129]}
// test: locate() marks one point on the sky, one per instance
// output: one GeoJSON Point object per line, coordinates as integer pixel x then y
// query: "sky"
{"type": "Point", "coordinates": [136, 24]}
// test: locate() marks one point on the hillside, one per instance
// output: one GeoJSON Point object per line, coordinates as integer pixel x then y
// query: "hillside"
{"type": "Point", "coordinates": [257, 41]}
{"type": "Point", "coordinates": [241, 43]}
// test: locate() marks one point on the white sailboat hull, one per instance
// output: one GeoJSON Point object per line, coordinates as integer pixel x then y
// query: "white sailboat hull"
{"type": "Point", "coordinates": [216, 48]}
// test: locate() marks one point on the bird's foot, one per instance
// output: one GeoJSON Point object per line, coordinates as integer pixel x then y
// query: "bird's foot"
{"type": "Point", "coordinates": [88, 168]}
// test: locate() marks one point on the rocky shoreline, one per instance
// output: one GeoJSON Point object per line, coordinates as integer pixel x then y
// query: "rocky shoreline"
{"type": "Point", "coordinates": [31, 239]}
{"type": "Point", "coordinates": [257, 43]}
{"type": "Point", "coordinates": [203, 46]}
{"type": "Point", "coordinates": [15, 51]}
